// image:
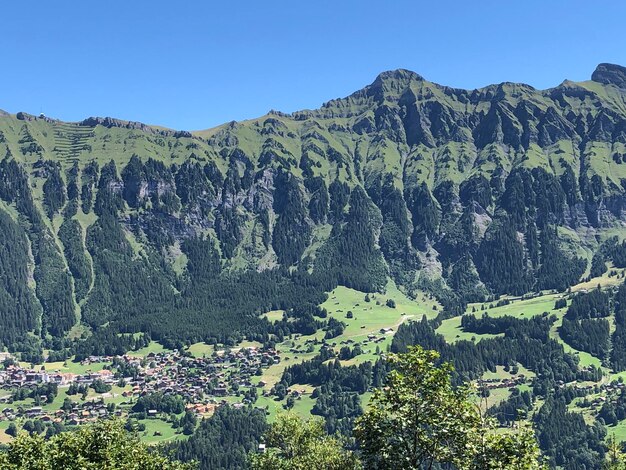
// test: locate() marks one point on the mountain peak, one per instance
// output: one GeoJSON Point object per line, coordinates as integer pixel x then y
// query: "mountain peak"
{"type": "Point", "coordinates": [393, 82]}
{"type": "Point", "coordinates": [398, 79]}
{"type": "Point", "coordinates": [610, 74]}
{"type": "Point", "coordinates": [402, 75]}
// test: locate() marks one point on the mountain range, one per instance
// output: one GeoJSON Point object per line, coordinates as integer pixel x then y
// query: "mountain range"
{"type": "Point", "coordinates": [114, 227]}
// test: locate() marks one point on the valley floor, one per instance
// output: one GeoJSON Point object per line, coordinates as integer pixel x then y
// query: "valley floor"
{"type": "Point", "coordinates": [210, 376]}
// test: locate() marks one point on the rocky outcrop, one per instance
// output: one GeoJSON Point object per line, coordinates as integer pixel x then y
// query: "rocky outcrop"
{"type": "Point", "coordinates": [110, 122]}
{"type": "Point", "coordinates": [610, 74]}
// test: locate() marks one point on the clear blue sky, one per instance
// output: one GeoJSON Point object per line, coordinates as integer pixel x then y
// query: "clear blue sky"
{"type": "Point", "coordinates": [195, 64]}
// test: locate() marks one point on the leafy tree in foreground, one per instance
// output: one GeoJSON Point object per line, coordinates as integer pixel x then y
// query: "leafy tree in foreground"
{"type": "Point", "coordinates": [294, 444]}
{"type": "Point", "coordinates": [105, 445]}
{"type": "Point", "coordinates": [420, 419]}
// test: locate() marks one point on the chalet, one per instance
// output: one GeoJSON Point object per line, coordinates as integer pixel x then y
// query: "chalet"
{"type": "Point", "coordinates": [105, 375]}
{"type": "Point", "coordinates": [34, 411]}
{"type": "Point", "coordinates": [220, 391]}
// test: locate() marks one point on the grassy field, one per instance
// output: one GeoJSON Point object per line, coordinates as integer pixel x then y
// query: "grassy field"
{"type": "Point", "coordinates": [496, 396]}
{"type": "Point", "coordinates": [619, 431]}
{"type": "Point", "coordinates": [293, 351]}
{"type": "Point", "coordinates": [606, 280]}
{"type": "Point", "coordinates": [248, 344]}
{"type": "Point", "coordinates": [518, 308]}
{"type": "Point", "coordinates": [500, 394]}
{"type": "Point", "coordinates": [69, 366]}
{"type": "Point", "coordinates": [302, 406]}
{"type": "Point", "coordinates": [452, 331]}
{"type": "Point", "coordinates": [153, 347]}
{"type": "Point", "coordinates": [525, 308]}
{"type": "Point", "coordinates": [158, 431]}
{"type": "Point", "coordinates": [501, 374]}
{"type": "Point", "coordinates": [272, 406]}
{"type": "Point", "coordinates": [585, 358]}
{"type": "Point", "coordinates": [4, 437]}
{"type": "Point", "coordinates": [368, 318]}
{"type": "Point", "coordinates": [451, 327]}
{"type": "Point", "coordinates": [274, 315]}
{"type": "Point", "coordinates": [201, 349]}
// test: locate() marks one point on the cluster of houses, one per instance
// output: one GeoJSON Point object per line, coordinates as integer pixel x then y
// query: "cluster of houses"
{"type": "Point", "coordinates": [509, 382]}
{"type": "Point", "coordinates": [203, 382]}
{"type": "Point", "coordinates": [15, 376]}
{"type": "Point", "coordinates": [80, 413]}
{"type": "Point", "coordinates": [196, 379]}
{"type": "Point", "coordinates": [605, 392]}
{"type": "Point", "coordinates": [374, 338]}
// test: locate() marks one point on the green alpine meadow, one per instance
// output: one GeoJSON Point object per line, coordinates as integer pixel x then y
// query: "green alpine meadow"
{"type": "Point", "coordinates": [414, 276]}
